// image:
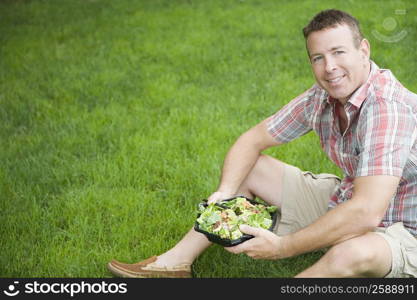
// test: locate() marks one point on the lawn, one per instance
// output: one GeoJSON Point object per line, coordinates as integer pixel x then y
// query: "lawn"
{"type": "Point", "coordinates": [116, 117]}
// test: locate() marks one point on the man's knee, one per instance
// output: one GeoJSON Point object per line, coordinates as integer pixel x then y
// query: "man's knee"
{"type": "Point", "coordinates": [267, 166]}
{"type": "Point", "coordinates": [359, 257]}
{"type": "Point", "coordinates": [264, 180]}
{"type": "Point", "coordinates": [266, 161]}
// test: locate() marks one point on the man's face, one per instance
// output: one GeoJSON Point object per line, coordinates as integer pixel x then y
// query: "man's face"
{"type": "Point", "coordinates": [338, 66]}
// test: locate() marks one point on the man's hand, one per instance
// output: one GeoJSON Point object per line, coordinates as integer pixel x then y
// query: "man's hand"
{"type": "Point", "coordinates": [218, 196]}
{"type": "Point", "coordinates": [264, 245]}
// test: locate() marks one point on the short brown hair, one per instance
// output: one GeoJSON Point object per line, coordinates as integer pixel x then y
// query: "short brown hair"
{"type": "Point", "coordinates": [332, 18]}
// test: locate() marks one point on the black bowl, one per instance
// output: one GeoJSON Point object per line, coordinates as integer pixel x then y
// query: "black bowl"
{"type": "Point", "coordinates": [228, 242]}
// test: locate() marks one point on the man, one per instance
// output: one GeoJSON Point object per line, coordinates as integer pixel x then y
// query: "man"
{"type": "Point", "coordinates": [367, 124]}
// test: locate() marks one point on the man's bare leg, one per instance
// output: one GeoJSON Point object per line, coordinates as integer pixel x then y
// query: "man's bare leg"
{"type": "Point", "coordinates": [185, 251]}
{"type": "Point", "coordinates": [368, 255]}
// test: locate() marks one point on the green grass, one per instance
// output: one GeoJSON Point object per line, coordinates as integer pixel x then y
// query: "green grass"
{"type": "Point", "coordinates": [116, 117]}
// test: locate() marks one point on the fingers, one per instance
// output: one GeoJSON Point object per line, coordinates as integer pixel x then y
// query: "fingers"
{"type": "Point", "coordinates": [236, 249]}
{"type": "Point", "coordinates": [243, 248]}
{"type": "Point", "coordinates": [249, 230]}
{"type": "Point", "coordinates": [246, 246]}
{"type": "Point", "coordinates": [211, 200]}
{"type": "Point", "coordinates": [218, 196]}
{"type": "Point", "coordinates": [214, 198]}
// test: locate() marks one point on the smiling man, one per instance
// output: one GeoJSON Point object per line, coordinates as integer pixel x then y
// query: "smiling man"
{"type": "Point", "coordinates": [339, 66]}
{"type": "Point", "coordinates": [367, 124]}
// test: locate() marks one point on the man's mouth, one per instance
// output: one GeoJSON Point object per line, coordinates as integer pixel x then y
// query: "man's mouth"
{"type": "Point", "coordinates": [335, 80]}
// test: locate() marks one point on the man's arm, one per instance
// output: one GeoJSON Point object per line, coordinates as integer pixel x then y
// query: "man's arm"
{"type": "Point", "coordinates": [241, 158]}
{"type": "Point", "coordinates": [361, 214]}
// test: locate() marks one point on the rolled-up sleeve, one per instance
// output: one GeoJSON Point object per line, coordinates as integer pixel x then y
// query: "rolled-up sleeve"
{"type": "Point", "coordinates": [294, 119]}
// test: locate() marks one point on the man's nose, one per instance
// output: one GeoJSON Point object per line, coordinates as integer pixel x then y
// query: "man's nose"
{"type": "Point", "coordinates": [330, 64]}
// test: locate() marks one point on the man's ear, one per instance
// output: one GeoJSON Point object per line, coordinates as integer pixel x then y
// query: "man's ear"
{"type": "Point", "coordinates": [365, 48]}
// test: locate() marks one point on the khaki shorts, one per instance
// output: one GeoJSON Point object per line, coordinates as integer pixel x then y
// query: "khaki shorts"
{"type": "Point", "coordinates": [305, 198]}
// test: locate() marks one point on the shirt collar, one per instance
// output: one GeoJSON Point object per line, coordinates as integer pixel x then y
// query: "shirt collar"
{"type": "Point", "coordinates": [360, 94]}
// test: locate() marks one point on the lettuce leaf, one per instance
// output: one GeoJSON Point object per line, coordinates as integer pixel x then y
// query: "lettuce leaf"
{"type": "Point", "coordinates": [224, 218]}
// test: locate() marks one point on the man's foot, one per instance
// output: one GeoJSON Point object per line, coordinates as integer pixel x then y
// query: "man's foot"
{"type": "Point", "coordinates": [149, 269]}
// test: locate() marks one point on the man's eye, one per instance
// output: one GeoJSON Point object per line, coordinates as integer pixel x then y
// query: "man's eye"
{"type": "Point", "coordinates": [316, 58]}
{"type": "Point", "coordinates": [339, 52]}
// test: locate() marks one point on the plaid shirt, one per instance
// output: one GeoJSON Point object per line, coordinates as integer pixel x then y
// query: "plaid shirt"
{"type": "Point", "coordinates": [381, 137]}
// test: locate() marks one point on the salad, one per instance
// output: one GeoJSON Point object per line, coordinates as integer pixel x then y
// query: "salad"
{"type": "Point", "coordinates": [223, 218]}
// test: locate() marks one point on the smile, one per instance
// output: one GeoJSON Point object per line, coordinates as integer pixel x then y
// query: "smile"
{"type": "Point", "coordinates": [335, 80]}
